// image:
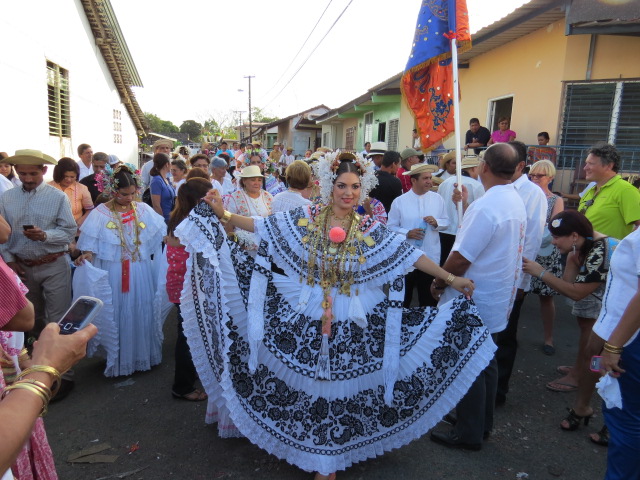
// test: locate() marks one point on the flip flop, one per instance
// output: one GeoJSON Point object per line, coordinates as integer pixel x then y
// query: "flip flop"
{"type": "Point", "coordinates": [194, 396]}
{"type": "Point", "coordinates": [562, 387]}
{"type": "Point", "coordinates": [564, 369]}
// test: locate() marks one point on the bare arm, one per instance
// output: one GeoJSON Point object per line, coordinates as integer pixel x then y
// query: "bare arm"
{"type": "Point", "coordinates": [215, 202]}
{"type": "Point", "coordinates": [461, 284]}
{"type": "Point", "coordinates": [575, 291]}
{"type": "Point", "coordinates": [20, 408]}
{"type": "Point", "coordinates": [155, 200]}
{"type": "Point", "coordinates": [5, 230]}
{"type": "Point", "coordinates": [22, 321]}
{"type": "Point", "coordinates": [627, 326]}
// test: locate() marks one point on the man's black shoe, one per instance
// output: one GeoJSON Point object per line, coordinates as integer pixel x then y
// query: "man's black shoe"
{"type": "Point", "coordinates": [451, 440]}
{"type": "Point", "coordinates": [65, 387]}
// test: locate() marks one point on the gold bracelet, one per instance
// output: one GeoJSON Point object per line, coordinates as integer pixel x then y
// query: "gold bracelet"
{"type": "Point", "coordinates": [612, 348]}
{"type": "Point", "coordinates": [43, 392]}
{"type": "Point", "coordinates": [55, 374]}
{"type": "Point", "coordinates": [226, 217]}
{"type": "Point", "coordinates": [450, 279]}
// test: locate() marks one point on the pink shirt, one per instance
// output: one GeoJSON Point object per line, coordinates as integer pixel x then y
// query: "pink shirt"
{"type": "Point", "coordinates": [502, 137]}
{"type": "Point", "coordinates": [177, 259]}
{"type": "Point", "coordinates": [13, 299]}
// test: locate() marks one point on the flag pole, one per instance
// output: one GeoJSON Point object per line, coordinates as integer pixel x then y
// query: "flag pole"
{"type": "Point", "coordinates": [456, 120]}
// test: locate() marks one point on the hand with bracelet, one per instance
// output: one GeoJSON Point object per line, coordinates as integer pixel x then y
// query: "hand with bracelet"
{"type": "Point", "coordinates": [610, 361]}
{"type": "Point", "coordinates": [28, 397]}
{"type": "Point", "coordinates": [534, 269]}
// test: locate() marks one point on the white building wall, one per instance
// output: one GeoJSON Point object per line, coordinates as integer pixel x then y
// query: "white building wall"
{"type": "Point", "coordinates": [33, 32]}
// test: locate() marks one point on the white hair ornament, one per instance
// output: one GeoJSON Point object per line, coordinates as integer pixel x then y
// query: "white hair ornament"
{"type": "Point", "coordinates": [327, 166]}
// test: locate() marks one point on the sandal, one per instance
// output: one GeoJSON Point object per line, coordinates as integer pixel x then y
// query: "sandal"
{"type": "Point", "coordinates": [564, 369]}
{"type": "Point", "coordinates": [601, 437]}
{"type": "Point", "coordinates": [562, 387]}
{"type": "Point", "coordinates": [574, 420]}
{"type": "Point", "coordinates": [194, 396]}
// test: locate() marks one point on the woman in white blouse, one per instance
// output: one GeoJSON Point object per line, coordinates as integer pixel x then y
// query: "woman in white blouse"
{"type": "Point", "coordinates": [298, 176]}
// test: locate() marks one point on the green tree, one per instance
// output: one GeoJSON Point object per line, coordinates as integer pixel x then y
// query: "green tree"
{"type": "Point", "coordinates": [158, 125]}
{"type": "Point", "coordinates": [192, 128]}
{"type": "Point", "coordinates": [260, 115]}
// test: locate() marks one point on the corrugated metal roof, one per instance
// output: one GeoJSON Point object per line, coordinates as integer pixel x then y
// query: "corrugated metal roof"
{"type": "Point", "coordinates": [528, 18]}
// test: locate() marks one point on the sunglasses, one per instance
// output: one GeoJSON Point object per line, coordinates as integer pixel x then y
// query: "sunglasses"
{"type": "Point", "coordinates": [587, 204]}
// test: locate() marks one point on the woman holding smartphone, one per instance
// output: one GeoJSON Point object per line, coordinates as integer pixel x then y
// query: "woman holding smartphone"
{"type": "Point", "coordinates": [588, 254]}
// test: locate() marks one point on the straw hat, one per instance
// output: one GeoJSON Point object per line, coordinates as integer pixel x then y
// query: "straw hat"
{"type": "Point", "coordinates": [251, 171]}
{"type": "Point", "coordinates": [256, 142]}
{"type": "Point", "coordinates": [419, 168]}
{"type": "Point", "coordinates": [162, 142]}
{"type": "Point", "coordinates": [377, 148]}
{"type": "Point", "coordinates": [446, 158]}
{"type": "Point", "coordinates": [470, 161]}
{"type": "Point", "coordinates": [30, 157]}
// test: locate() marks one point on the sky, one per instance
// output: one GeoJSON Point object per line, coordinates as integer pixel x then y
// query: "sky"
{"type": "Point", "coordinates": [193, 55]}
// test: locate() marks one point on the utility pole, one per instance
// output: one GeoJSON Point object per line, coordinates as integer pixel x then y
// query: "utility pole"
{"type": "Point", "coordinates": [239, 113]}
{"type": "Point", "coordinates": [250, 120]}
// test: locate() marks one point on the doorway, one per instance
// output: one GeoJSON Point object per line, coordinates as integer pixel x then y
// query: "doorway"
{"type": "Point", "coordinates": [498, 108]}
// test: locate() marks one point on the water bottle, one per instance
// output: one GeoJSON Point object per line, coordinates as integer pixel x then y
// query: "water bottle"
{"type": "Point", "coordinates": [423, 226]}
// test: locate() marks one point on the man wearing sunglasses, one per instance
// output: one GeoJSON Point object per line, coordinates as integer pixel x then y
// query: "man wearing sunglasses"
{"type": "Point", "coordinates": [612, 204]}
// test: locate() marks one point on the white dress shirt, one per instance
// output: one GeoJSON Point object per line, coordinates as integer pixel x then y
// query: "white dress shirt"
{"type": "Point", "coordinates": [535, 204]}
{"type": "Point", "coordinates": [445, 190]}
{"type": "Point", "coordinates": [408, 211]}
{"type": "Point", "coordinates": [491, 238]}
{"type": "Point", "coordinates": [84, 170]}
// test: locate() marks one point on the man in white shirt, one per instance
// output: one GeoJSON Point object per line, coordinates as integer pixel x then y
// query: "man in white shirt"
{"type": "Point", "coordinates": [488, 250]}
{"type": "Point", "coordinates": [286, 159]}
{"type": "Point", "coordinates": [475, 190]}
{"type": "Point", "coordinates": [86, 155]}
{"type": "Point", "coordinates": [535, 204]}
{"type": "Point", "coordinates": [419, 214]}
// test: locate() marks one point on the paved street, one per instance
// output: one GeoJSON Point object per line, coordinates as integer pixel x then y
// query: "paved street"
{"type": "Point", "coordinates": [173, 441]}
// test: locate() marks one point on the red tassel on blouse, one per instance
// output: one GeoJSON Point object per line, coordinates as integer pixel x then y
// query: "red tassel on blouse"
{"type": "Point", "coordinates": [125, 276]}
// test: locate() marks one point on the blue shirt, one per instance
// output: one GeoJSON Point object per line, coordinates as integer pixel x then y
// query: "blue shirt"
{"type": "Point", "coordinates": [167, 194]}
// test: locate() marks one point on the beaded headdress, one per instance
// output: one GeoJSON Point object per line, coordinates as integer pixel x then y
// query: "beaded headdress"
{"type": "Point", "coordinates": [326, 170]}
{"type": "Point", "coordinates": [107, 183]}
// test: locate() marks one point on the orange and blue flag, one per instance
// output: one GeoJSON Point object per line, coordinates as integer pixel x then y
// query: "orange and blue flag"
{"type": "Point", "coordinates": [427, 83]}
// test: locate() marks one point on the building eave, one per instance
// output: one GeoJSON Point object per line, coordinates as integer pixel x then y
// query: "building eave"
{"type": "Point", "coordinates": [112, 45]}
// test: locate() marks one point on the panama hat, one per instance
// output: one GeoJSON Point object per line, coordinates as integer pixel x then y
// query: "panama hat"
{"type": "Point", "coordinates": [161, 142]}
{"type": "Point", "coordinates": [251, 171]}
{"type": "Point", "coordinates": [30, 157]}
{"type": "Point", "coordinates": [446, 158]}
{"type": "Point", "coordinates": [377, 148]}
{"type": "Point", "coordinates": [256, 142]}
{"type": "Point", "coordinates": [470, 161]}
{"type": "Point", "coordinates": [419, 168]}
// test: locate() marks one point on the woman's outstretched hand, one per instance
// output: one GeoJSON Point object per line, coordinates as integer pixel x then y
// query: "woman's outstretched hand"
{"type": "Point", "coordinates": [213, 199]}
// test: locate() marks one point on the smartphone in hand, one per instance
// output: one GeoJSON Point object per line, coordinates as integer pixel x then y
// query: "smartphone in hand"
{"type": "Point", "coordinates": [594, 365]}
{"type": "Point", "coordinates": [80, 314]}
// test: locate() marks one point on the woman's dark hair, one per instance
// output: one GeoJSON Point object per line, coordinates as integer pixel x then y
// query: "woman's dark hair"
{"type": "Point", "coordinates": [159, 161]}
{"type": "Point", "coordinates": [124, 177]}
{"type": "Point", "coordinates": [503, 119]}
{"type": "Point", "coordinates": [573, 221]}
{"type": "Point", "coordinates": [544, 135]}
{"type": "Point", "coordinates": [197, 157]}
{"type": "Point", "coordinates": [180, 165]}
{"type": "Point", "coordinates": [347, 166]}
{"type": "Point", "coordinates": [65, 165]}
{"type": "Point", "coordinates": [189, 195]}
{"type": "Point", "coordinates": [12, 172]}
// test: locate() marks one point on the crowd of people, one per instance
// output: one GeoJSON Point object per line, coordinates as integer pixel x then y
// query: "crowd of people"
{"type": "Point", "coordinates": [295, 286]}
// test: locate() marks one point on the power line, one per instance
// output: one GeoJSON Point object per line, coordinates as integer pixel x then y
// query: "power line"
{"type": "Point", "coordinates": [308, 57]}
{"type": "Point", "coordinates": [296, 55]}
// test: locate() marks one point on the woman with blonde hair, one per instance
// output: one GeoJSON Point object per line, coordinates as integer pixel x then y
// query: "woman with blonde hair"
{"type": "Point", "coordinates": [542, 173]}
{"type": "Point", "coordinates": [298, 176]}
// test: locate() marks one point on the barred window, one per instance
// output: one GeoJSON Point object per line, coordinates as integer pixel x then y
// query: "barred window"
{"type": "Point", "coordinates": [351, 138]}
{"type": "Point", "coordinates": [58, 101]}
{"type": "Point", "coordinates": [392, 142]}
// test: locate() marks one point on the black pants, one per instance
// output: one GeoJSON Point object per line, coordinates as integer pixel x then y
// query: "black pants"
{"type": "Point", "coordinates": [507, 342]}
{"type": "Point", "coordinates": [446, 244]}
{"type": "Point", "coordinates": [422, 281]}
{"type": "Point", "coordinates": [185, 374]}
